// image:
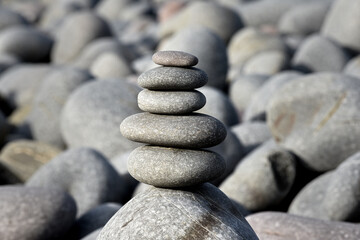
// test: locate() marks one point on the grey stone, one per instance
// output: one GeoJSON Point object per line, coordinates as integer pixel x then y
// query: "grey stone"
{"type": "Point", "coordinates": [257, 107]}
{"type": "Point", "coordinates": [207, 47]}
{"type": "Point", "coordinates": [316, 118]}
{"type": "Point", "coordinates": [106, 103]}
{"type": "Point", "coordinates": [93, 219]}
{"type": "Point", "coordinates": [183, 131]}
{"type": "Point", "coordinates": [304, 19]}
{"type": "Point", "coordinates": [77, 30]}
{"type": "Point", "coordinates": [293, 42]}
{"type": "Point", "coordinates": [173, 78]}
{"type": "Point", "coordinates": [266, 63]}
{"type": "Point", "coordinates": [319, 54]}
{"type": "Point", "coordinates": [175, 59]}
{"type": "Point", "coordinates": [141, 187]}
{"type": "Point", "coordinates": [110, 65]}
{"type": "Point", "coordinates": [111, 9]}
{"type": "Point", "coordinates": [57, 86]}
{"type": "Point", "coordinates": [119, 163]}
{"type": "Point", "coordinates": [243, 88]}
{"type": "Point", "coordinates": [261, 179]}
{"type": "Point", "coordinates": [172, 167]}
{"type": "Point", "coordinates": [344, 29]}
{"type": "Point", "coordinates": [248, 42]}
{"type": "Point", "coordinates": [10, 18]}
{"type": "Point", "coordinates": [171, 102]}
{"type": "Point", "coordinates": [332, 196]}
{"type": "Point", "coordinates": [19, 84]}
{"type": "Point", "coordinates": [201, 212]}
{"type": "Point", "coordinates": [85, 174]}
{"type": "Point", "coordinates": [35, 213]}
{"type": "Point", "coordinates": [3, 127]}
{"type": "Point", "coordinates": [282, 226]}
{"type": "Point", "coordinates": [24, 157]}
{"type": "Point", "coordinates": [352, 68]}
{"type": "Point", "coordinates": [219, 106]}
{"type": "Point", "coordinates": [93, 235]}
{"type": "Point", "coordinates": [7, 61]}
{"type": "Point", "coordinates": [219, 19]}
{"type": "Point", "coordinates": [26, 43]}
{"type": "Point", "coordinates": [29, 10]}
{"type": "Point", "coordinates": [251, 134]}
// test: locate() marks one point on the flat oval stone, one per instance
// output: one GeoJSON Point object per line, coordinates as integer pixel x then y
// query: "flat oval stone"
{"type": "Point", "coordinates": [175, 59]}
{"type": "Point", "coordinates": [171, 102]}
{"type": "Point", "coordinates": [173, 167]}
{"type": "Point", "coordinates": [189, 131]}
{"type": "Point", "coordinates": [173, 78]}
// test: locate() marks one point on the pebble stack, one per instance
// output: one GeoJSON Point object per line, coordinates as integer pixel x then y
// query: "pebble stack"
{"type": "Point", "coordinates": [174, 156]}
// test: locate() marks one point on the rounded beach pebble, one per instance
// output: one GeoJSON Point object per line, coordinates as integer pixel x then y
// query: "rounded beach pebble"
{"type": "Point", "coordinates": [175, 59]}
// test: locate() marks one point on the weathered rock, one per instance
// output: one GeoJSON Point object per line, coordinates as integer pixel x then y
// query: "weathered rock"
{"type": "Point", "coordinates": [172, 167]}
{"type": "Point", "coordinates": [10, 18]}
{"type": "Point", "coordinates": [171, 102]}
{"type": "Point", "coordinates": [207, 47]}
{"type": "Point", "coordinates": [315, 117]}
{"type": "Point", "coordinates": [319, 54]}
{"type": "Point", "coordinates": [183, 131]}
{"type": "Point", "coordinates": [49, 101]}
{"type": "Point", "coordinates": [175, 59]}
{"type": "Point", "coordinates": [282, 226]}
{"type": "Point", "coordinates": [190, 214]}
{"type": "Point", "coordinates": [85, 174]}
{"type": "Point", "coordinates": [344, 29]}
{"type": "Point", "coordinates": [110, 65]}
{"type": "Point", "coordinates": [106, 103]}
{"type": "Point", "coordinates": [219, 106]}
{"type": "Point", "coordinates": [24, 157]}
{"type": "Point", "coordinates": [352, 68]}
{"type": "Point", "coordinates": [332, 196]}
{"type": "Point", "coordinates": [262, 178]}
{"type": "Point", "coordinates": [75, 32]}
{"type": "Point", "coordinates": [172, 78]}
{"type": "Point", "coordinates": [35, 213]}
{"type": "Point", "coordinates": [221, 20]}
{"type": "Point", "coordinates": [26, 43]}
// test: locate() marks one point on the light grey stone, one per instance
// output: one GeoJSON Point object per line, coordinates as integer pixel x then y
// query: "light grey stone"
{"type": "Point", "coordinates": [85, 174]}
{"type": "Point", "coordinates": [106, 103]}
{"type": "Point", "coordinates": [243, 88]}
{"type": "Point", "coordinates": [256, 109]}
{"type": "Point", "coordinates": [24, 157]}
{"type": "Point", "coordinates": [110, 65]}
{"type": "Point", "coordinates": [332, 196]}
{"type": "Point", "coordinates": [352, 68]}
{"type": "Point", "coordinates": [282, 226]}
{"type": "Point", "coordinates": [173, 78]}
{"type": "Point", "coordinates": [26, 43]}
{"type": "Point", "coordinates": [171, 102]}
{"type": "Point", "coordinates": [219, 19]}
{"type": "Point", "coordinates": [201, 212]}
{"type": "Point", "coordinates": [29, 10]}
{"type": "Point", "coordinates": [35, 213]}
{"type": "Point", "coordinates": [10, 18]}
{"type": "Point", "coordinates": [251, 134]}
{"type": "Point", "coordinates": [319, 54]}
{"type": "Point", "coordinates": [57, 86]}
{"type": "Point", "coordinates": [344, 29]}
{"type": "Point", "coordinates": [248, 42]}
{"type": "Point", "coordinates": [119, 163]}
{"type": "Point", "coordinates": [19, 84]}
{"type": "Point", "coordinates": [315, 117]}
{"type": "Point", "coordinates": [93, 235]}
{"type": "Point", "coordinates": [219, 106]}
{"type": "Point", "coordinates": [173, 167]}
{"type": "Point", "coordinates": [266, 63]}
{"type": "Point", "coordinates": [183, 131]}
{"type": "Point", "coordinates": [7, 61]}
{"type": "Point", "coordinates": [77, 30]}
{"type": "Point", "coordinates": [175, 59]}
{"type": "Point", "coordinates": [111, 9]}
{"type": "Point", "coordinates": [262, 179]}
{"type": "Point", "coordinates": [207, 47]}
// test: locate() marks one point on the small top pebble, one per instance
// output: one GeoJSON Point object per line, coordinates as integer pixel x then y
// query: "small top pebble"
{"type": "Point", "coordinates": [174, 59]}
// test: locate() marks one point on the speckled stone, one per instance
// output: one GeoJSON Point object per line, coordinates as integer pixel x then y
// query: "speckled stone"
{"type": "Point", "coordinates": [172, 78]}
{"type": "Point", "coordinates": [172, 167]}
{"type": "Point", "coordinates": [175, 59]}
{"type": "Point", "coordinates": [171, 102]}
{"type": "Point", "coordinates": [201, 212]}
{"type": "Point", "coordinates": [282, 226]}
{"type": "Point", "coordinates": [188, 131]}
{"type": "Point", "coordinates": [35, 213]}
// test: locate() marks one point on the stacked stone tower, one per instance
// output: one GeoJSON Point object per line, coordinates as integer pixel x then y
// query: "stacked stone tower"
{"type": "Point", "coordinates": [176, 135]}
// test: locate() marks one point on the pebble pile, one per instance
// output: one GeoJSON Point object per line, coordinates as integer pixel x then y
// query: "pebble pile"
{"type": "Point", "coordinates": [176, 135]}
